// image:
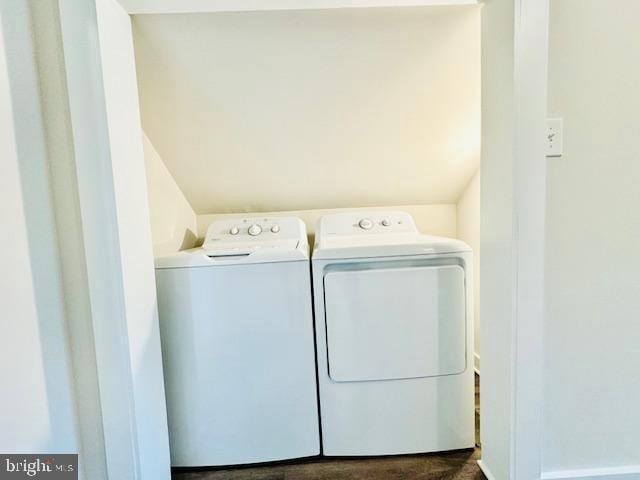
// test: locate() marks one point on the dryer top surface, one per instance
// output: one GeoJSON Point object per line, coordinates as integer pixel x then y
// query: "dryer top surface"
{"type": "Point", "coordinates": [377, 234]}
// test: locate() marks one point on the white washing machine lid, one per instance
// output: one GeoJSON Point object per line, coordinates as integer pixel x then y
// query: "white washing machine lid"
{"type": "Point", "coordinates": [377, 234]}
{"type": "Point", "coordinates": [245, 241]}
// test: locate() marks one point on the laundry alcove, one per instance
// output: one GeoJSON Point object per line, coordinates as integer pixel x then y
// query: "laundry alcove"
{"type": "Point", "coordinates": [306, 111]}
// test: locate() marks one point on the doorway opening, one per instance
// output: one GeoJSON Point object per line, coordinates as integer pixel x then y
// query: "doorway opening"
{"type": "Point", "coordinates": [313, 112]}
{"type": "Point", "coordinates": [238, 181]}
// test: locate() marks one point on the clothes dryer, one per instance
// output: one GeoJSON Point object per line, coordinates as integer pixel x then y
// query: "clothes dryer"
{"type": "Point", "coordinates": [394, 336]}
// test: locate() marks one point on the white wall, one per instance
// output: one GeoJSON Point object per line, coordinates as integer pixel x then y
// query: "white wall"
{"type": "Point", "coordinates": [291, 110]}
{"type": "Point", "coordinates": [468, 230]}
{"type": "Point", "coordinates": [496, 235]}
{"type": "Point", "coordinates": [592, 330]}
{"type": "Point", "coordinates": [173, 222]}
{"type": "Point", "coordinates": [37, 409]}
{"type": "Point", "coordinates": [127, 167]}
{"type": "Point", "coordinates": [513, 186]}
{"type": "Point", "coordinates": [64, 201]}
{"type": "Point", "coordinates": [174, 225]}
{"type": "Point", "coordinates": [54, 399]}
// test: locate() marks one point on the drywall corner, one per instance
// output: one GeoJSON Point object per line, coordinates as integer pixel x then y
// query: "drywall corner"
{"type": "Point", "coordinates": [173, 221]}
{"type": "Point", "coordinates": [468, 228]}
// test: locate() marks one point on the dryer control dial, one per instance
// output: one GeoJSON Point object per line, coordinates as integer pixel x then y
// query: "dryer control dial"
{"type": "Point", "coordinates": [365, 224]}
{"type": "Point", "coordinates": [234, 231]}
{"type": "Point", "coordinates": [254, 230]}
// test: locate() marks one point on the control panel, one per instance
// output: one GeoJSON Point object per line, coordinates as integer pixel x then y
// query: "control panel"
{"type": "Point", "coordinates": [369, 223]}
{"type": "Point", "coordinates": [255, 231]}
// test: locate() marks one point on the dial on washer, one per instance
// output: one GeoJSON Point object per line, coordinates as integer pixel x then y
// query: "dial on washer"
{"type": "Point", "coordinates": [254, 230]}
{"type": "Point", "coordinates": [365, 224]}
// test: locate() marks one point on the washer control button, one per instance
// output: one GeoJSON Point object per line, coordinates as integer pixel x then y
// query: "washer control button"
{"type": "Point", "coordinates": [365, 224]}
{"type": "Point", "coordinates": [385, 222]}
{"type": "Point", "coordinates": [234, 231]}
{"type": "Point", "coordinates": [275, 228]}
{"type": "Point", "coordinates": [255, 229]}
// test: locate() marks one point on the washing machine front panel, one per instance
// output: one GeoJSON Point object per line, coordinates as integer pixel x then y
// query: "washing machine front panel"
{"type": "Point", "coordinates": [238, 351]}
{"type": "Point", "coordinates": [239, 363]}
{"type": "Point", "coordinates": [395, 323]}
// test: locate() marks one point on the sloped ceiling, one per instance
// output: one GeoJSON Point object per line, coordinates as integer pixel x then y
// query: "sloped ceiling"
{"type": "Point", "coordinates": [266, 111]}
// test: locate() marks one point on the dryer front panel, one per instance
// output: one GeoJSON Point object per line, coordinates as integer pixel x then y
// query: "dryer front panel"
{"type": "Point", "coordinates": [395, 323]}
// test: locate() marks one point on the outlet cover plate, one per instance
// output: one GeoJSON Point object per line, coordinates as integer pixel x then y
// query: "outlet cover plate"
{"type": "Point", "coordinates": [554, 137]}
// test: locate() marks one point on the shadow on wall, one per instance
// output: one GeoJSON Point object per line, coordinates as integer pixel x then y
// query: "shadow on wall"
{"type": "Point", "coordinates": [173, 221]}
{"type": "Point", "coordinates": [38, 373]}
{"type": "Point", "coordinates": [181, 239]}
{"type": "Point", "coordinates": [189, 239]}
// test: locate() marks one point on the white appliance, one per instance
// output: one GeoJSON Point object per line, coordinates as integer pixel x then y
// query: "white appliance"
{"type": "Point", "coordinates": [394, 337]}
{"type": "Point", "coordinates": [237, 341]}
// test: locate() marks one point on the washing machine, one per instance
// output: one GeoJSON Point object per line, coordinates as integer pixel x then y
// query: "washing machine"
{"type": "Point", "coordinates": [394, 337]}
{"type": "Point", "coordinates": [236, 326]}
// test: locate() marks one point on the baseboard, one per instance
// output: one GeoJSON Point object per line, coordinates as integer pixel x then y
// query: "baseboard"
{"type": "Point", "coordinates": [485, 470]}
{"type": "Point", "coordinates": [631, 472]}
{"type": "Point", "coordinates": [476, 363]}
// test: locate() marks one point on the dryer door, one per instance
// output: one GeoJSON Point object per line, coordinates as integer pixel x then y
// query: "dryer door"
{"type": "Point", "coordinates": [395, 323]}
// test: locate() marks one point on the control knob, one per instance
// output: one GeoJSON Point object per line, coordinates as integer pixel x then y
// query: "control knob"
{"type": "Point", "coordinates": [254, 230]}
{"type": "Point", "coordinates": [365, 224]}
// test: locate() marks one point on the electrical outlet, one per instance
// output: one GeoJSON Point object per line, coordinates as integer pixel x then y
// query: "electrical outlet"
{"type": "Point", "coordinates": [554, 137]}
